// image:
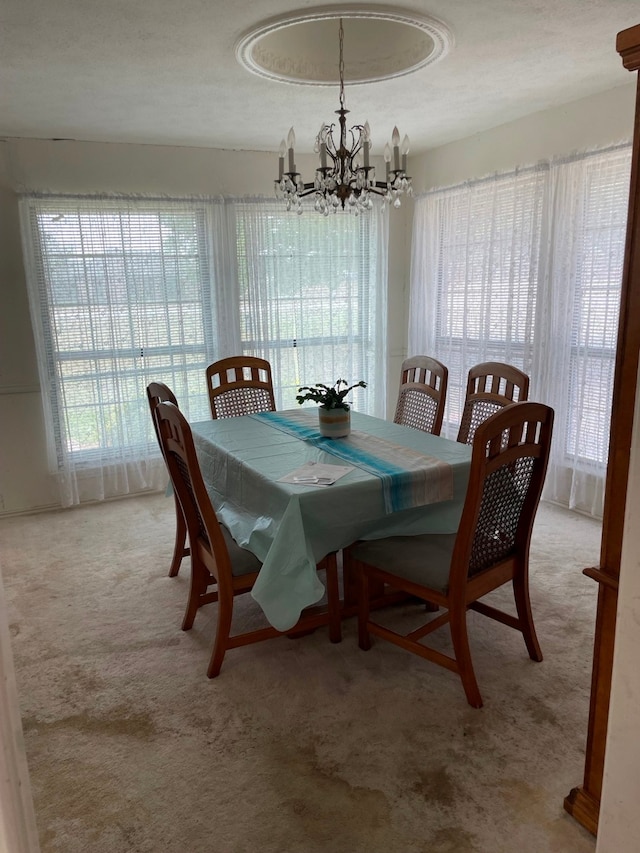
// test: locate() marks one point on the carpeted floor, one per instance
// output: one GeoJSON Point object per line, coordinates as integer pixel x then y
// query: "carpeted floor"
{"type": "Point", "coordinates": [300, 746]}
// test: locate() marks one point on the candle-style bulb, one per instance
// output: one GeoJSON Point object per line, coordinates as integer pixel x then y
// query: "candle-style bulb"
{"type": "Point", "coordinates": [366, 143]}
{"type": "Point", "coordinates": [283, 148]}
{"type": "Point", "coordinates": [395, 138]}
{"type": "Point", "coordinates": [291, 139]}
{"type": "Point", "coordinates": [387, 153]}
{"type": "Point", "coordinates": [404, 149]}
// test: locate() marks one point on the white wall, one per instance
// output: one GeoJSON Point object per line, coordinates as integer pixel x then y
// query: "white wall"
{"type": "Point", "coordinates": [589, 123]}
{"type": "Point", "coordinates": [66, 166]}
{"type": "Point", "coordinates": [619, 827]}
{"type": "Point", "coordinates": [86, 167]}
{"type": "Point", "coordinates": [593, 122]}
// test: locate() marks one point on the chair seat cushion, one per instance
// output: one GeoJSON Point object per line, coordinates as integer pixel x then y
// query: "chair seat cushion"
{"type": "Point", "coordinates": [423, 560]}
{"type": "Point", "coordinates": [243, 562]}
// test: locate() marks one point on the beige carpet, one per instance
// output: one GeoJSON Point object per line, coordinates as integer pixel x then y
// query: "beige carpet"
{"type": "Point", "coordinates": [299, 745]}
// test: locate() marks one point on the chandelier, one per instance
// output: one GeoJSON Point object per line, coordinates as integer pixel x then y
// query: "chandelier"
{"type": "Point", "coordinates": [342, 180]}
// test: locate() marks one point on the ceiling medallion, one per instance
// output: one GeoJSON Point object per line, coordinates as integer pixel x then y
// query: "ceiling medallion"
{"type": "Point", "coordinates": [384, 42]}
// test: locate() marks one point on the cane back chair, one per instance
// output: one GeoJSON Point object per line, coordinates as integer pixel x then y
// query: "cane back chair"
{"type": "Point", "coordinates": [158, 392]}
{"type": "Point", "coordinates": [490, 386]}
{"type": "Point", "coordinates": [216, 559]}
{"type": "Point", "coordinates": [240, 385]}
{"type": "Point", "coordinates": [422, 395]}
{"type": "Point", "coordinates": [491, 547]}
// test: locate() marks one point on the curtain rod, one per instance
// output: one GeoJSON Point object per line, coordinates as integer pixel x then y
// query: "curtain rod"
{"type": "Point", "coordinates": [541, 165]}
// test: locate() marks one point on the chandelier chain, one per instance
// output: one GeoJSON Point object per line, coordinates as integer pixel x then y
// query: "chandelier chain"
{"type": "Point", "coordinates": [341, 65]}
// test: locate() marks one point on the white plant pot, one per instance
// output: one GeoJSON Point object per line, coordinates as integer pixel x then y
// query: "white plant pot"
{"type": "Point", "coordinates": [334, 423]}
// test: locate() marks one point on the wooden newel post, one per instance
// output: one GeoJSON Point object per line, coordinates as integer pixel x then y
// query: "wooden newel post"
{"type": "Point", "coordinates": [583, 803]}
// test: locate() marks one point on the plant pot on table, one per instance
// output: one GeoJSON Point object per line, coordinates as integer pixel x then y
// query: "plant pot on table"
{"type": "Point", "coordinates": [334, 423]}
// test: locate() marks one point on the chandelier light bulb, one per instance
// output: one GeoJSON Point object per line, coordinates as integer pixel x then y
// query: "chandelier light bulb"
{"type": "Point", "coordinates": [404, 150]}
{"type": "Point", "coordinates": [395, 139]}
{"type": "Point", "coordinates": [291, 141]}
{"type": "Point", "coordinates": [366, 143]}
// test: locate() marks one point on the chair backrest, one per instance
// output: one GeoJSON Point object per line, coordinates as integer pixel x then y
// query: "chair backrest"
{"type": "Point", "coordinates": [508, 466]}
{"type": "Point", "coordinates": [158, 392]}
{"type": "Point", "coordinates": [490, 386]}
{"type": "Point", "coordinates": [240, 385]}
{"type": "Point", "coordinates": [422, 395]}
{"type": "Point", "coordinates": [205, 535]}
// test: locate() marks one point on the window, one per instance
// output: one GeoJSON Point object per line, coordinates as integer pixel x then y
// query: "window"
{"type": "Point", "coordinates": [526, 268]}
{"type": "Point", "coordinates": [309, 298]}
{"type": "Point", "coordinates": [123, 293]}
{"type": "Point", "coordinates": [487, 278]}
{"type": "Point", "coordinates": [128, 291]}
{"type": "Point", "coordinates": [594, 329]}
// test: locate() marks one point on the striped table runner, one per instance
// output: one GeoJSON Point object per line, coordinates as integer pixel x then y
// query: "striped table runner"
{"type": "Point", "coordinates": [409, 478]}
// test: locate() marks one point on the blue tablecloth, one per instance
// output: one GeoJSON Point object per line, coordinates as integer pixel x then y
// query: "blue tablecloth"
{"type": "Point", "coordinates": [290, 528]}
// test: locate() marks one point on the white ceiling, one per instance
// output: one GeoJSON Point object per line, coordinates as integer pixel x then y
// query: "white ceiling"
{"type": "Point", "coordinates": [165, 72]}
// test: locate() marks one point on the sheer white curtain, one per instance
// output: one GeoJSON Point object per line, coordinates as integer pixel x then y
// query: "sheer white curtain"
{"type": "Point", "coordinates": [474, 274]}
{"type": "Point", "coordinates": [313, 298]}
{"type": "Point", "coordinates": [526, 268]}
{"type": "Point", "coordinates": [125, 291]}
{"type": "Point", "coordinates": [581, 274]}
{"type": "Point", "coordinates": [122, 292]}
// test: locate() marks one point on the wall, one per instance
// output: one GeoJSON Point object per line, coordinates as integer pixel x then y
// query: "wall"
{"type": "Point", "coordinates": [589, 123]}
{"type": "Point", "coordinates": [619, 827]}
{"type": "Point", "coordinates": [593, 122]}
{"type": "Point", "coordinates": [86, 167]}
{"type": "Point", "coordinates": [67, 166]}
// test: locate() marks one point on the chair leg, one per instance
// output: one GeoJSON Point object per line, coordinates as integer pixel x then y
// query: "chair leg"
{"type": "Point", "coordinates": [179, 550]}
{"type": "Point", "coordinates": [223, 630]}
{"type": "Point", "coordinates": [523, 606]}
{"type": "Point", "coordinates": [364, 639]}
{"type": "Point", "coordinates": [460, 639]}
{"type": "Point", "coordinates": [333, 598]}
{"type": "Point", "coordinates": [199, 583]}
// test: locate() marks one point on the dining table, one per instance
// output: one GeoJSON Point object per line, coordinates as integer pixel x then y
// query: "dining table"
{"type": "Point", "coordinates": [292, 496]}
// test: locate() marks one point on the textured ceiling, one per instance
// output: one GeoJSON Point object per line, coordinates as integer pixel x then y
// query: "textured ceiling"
{"type": "Point", "coordinates": [165, 71]}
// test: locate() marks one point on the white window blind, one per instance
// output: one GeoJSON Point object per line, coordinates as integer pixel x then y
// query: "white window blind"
{"type": "Point", "coordinates": [128, 291]}
{"type": "Point", "coordinates": [125, 299]}
{"type": "Point", "coordinates": [120, 296]}
{"type": "Point", "coordinates": [526, 268]}
{"type": "Point", "coordinates": [477, 282]}
{"type": "Point", "coordinates": [312, 296]}
{"type": "Point", "coordinates": [600, 244]}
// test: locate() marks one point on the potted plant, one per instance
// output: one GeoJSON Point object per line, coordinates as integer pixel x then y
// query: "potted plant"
{"type": "Point", "coordinates": [333, 409]}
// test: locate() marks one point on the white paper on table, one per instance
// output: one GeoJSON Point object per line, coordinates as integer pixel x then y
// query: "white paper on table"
{"type": "Point", "coordinates": [316, 474]}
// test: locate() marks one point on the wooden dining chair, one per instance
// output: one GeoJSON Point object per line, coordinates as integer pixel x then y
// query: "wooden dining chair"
{"type": "Point", "coordinates": [158, 392]}
{"type": "Point", "coordinates": [216, 559]}
{"type": "Point", "coordinates": [491, 547]}
{"type": "Point", "coordinates": [490, 386]}
{"type": "Point", "coordinates": [240, 385]}
{"type": "Point", "coordinates": [422, 395]}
